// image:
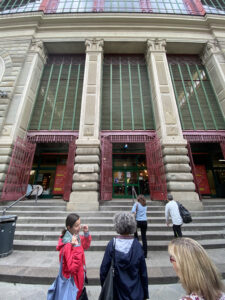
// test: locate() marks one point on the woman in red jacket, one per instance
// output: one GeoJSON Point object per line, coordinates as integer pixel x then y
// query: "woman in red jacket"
{"type": "Point", "coordinates": [72, 246]}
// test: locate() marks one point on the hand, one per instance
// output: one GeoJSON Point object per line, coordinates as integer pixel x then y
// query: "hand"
{"type": "Point", "coordinates": [74, 240]}
{"type": "Point", "coordinates": [85, 228]}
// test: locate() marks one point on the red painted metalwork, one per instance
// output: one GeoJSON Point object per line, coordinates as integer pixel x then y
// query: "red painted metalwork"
{"type": "Point", "coordinates": [18, 174]}
{"type": "Point", "coordinates": [155, 166]}
{"type": "Point", "coordinates": [156, 171]}
{"type": "Point", "coordinates": [69, 172]}
{"type": "Point", "coordinates": [146, 6]}
{"type": "Point", "coordinates": [194, 7]}
{"type": "Point", "coordinates": [49, 6]}
{"type": "Point", "coordinates": [193, 170]}
{"type": "Point", "coordinates": [106, 169]}
{"type": "Point", "coordinates": [98, 5]}
{"type": "Point", "coordinates": [54, 136]}
{"type": "Point", "coordinates": [201, 136]}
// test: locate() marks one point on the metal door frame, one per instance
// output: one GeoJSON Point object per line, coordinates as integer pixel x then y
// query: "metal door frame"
{"type": "Point", "coordinates": [158, 192]}
{"type": "Point", "coordinates": [200, 136]}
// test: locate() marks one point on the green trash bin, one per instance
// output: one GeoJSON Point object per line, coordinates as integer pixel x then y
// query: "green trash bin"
{"type": "Point", "coordinates": [7, 230]}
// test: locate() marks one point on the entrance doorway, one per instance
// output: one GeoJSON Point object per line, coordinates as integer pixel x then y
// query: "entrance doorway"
{"type": "Point", "coordinates": [209, 168]}
{"type": "Point", "coordinates": [49, 168]}
{"type": "Point", "coordinates": [129, 170]}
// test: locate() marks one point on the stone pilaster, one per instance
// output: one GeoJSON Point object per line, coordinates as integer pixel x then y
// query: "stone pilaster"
{"type": "Point", "coordinates": [213, 57]}
{"type": "Point", "coordinates": [85, 189]}
{"type": "Point", "coordinates": [21, 104]}
{"type": "Point", "coordinates": [178, 171]}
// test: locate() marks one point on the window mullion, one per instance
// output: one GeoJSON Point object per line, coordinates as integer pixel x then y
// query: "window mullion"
{"type": "Point", "coordinates": [186, 97]}
{"type": "Point", "coordinates": [45, 97]}
{"type": "Point", "coordinates": [56, 95]}
{"type": "Point", "coordinates": [196, 96]}
{"type": "Point", "coordinates": [141, 97]}
{"type": "Point", "coordinates": [131, 97]}
{"type": "Point", "coordinates": [121, 96]}
{"type": "Point", "coordinates": [66, 95]}
{"type": "Point", "coordinates": [206, 96]}
{"type": "Point", "coordinates": [176, 97]}
{"type": "Point", "coordinates": [75, 96]}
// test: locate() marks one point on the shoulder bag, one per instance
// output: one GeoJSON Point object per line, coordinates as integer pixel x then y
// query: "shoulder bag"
{"type": "Point", "coordinates": [62, 288]}
{"type": "Point", "coordinates": [107, 289]}
{"type": "Point", "coordinates": [184, 213]}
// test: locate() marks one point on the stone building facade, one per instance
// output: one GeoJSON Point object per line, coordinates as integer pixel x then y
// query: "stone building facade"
{"type": "Point", "coordinates": [145, 82]}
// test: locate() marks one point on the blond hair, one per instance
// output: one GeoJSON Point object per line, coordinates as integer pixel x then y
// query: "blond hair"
{"type": "Point", "coordinates": [196, 271]}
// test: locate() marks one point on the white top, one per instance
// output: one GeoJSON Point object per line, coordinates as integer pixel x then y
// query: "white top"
{"type": "Point", "coordinates": [172, 210]}
{"type": "Point", "coordinates": [140, 211]}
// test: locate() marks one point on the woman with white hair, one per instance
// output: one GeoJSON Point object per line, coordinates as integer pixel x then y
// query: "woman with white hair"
{"type": "Point", "coordinates": [130, 276]}
{"type": "Point", "coordinates": [197, 273]}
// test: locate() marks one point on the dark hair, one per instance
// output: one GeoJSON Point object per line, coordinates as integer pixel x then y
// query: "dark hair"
{"type": "Point", "coordinates": [170, 197]}
{"type": "Point", "coordinates": [70, 220]}
{"type": "Point", "coordinates": [142, 199]}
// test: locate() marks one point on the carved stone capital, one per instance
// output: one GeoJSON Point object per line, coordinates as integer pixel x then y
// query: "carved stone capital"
{"type": "Point", "coordinates": [94, 45]}
{"type": "Point", "coordinates": [212, 47]}
{"type": "Point", "coordinates": [156, 45]}
{"type": "Point", "coordinates": [38, 47]}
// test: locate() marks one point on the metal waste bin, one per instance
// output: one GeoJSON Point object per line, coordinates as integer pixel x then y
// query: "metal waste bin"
{"type": "Point", "coordinates": [7, 229]}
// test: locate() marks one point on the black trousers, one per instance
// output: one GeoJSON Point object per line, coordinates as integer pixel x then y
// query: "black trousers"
{"type": "Point", "coordinates": [177, 231]}
{"type": "Point", "coordinates": [143, 226]}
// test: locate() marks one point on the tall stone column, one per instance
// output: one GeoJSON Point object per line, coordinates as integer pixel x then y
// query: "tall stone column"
{"type": "Point", "coordinates": [85, 189]}
{"type": "Point", "coordinates": [213, 58]}
{"type": "Point", "coordinates": [178, 171]}
{"type": "Point", "coordinates": [22, 102]}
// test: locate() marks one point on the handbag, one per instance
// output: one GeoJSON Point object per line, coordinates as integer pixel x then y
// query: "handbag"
{"type": "Point", "coordinates": [184, 213]}
{"type": "Point", "coordinates": [62, 288]}
{"type": "Point", "coordinates": [107, 289]}
{"type": "Point", "coordinates": [84, 296]}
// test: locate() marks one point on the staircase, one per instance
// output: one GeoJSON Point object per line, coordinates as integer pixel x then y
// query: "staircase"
{"type": "Point", "coordinates": [35, 260]}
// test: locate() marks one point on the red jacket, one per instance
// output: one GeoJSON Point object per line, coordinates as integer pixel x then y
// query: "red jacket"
{"type": "Point", "coordinates": [74, 260]}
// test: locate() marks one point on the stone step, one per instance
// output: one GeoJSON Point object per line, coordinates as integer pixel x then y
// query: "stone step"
{"type": "Point", "coordinates": [42, 268]}
{"type": "Point", "coordinates": [153, 245]}
{"type": "Point", "coordinates": [107, 235]}
{"type": "Point", "coordinates": [108, 227]}
{"type": "Point", "coordinates": [150, 213]}
{"type": "Point", "coordinates": [59, 218]}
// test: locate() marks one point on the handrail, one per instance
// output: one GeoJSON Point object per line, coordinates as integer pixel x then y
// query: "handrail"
{"type": "Point", "coordinates": [134, 194]}
{"type": "Point", "coordinates": [21, 198]}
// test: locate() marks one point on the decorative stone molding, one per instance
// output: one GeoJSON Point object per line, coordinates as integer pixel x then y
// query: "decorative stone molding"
{"type": "Point", "coordinates": [94, 45]}
{"type": "Point", "coordinates": [156, 45]}
{"type": "Point", "coordinates": [38, 47]}
{"type": "Point", "coordinates": [212, 47]}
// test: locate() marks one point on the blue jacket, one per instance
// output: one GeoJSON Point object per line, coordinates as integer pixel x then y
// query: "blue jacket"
{"type": "Point", "coordinates": [131, 278]}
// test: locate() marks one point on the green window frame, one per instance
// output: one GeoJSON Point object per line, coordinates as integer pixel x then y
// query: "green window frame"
{"type": "Point", "coordinates": [58, 101]}
{"type": "Point", "coordinates": [126, 94]}
{"type": "Point", "coordinates": [196, 99]}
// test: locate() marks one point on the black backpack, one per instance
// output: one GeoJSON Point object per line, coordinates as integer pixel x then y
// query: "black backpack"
{"type": "Point", "coordinates": [184, 213]}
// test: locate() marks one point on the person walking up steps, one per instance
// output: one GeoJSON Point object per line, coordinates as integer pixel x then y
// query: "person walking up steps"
{"type": "Point", "coordinates": [172, 210]}
{"type": "Point", "coordinates": [139, 209]}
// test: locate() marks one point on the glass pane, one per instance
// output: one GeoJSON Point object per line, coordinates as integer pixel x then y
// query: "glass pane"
{"type": "Point", "coordinates": [119, 177]}
{"type": "Point", "coordinates": [129, 190]}
{"type": "Point", "coordinates": [119, 190]}
{"type": "Point", "coordinates": [132, 178]}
